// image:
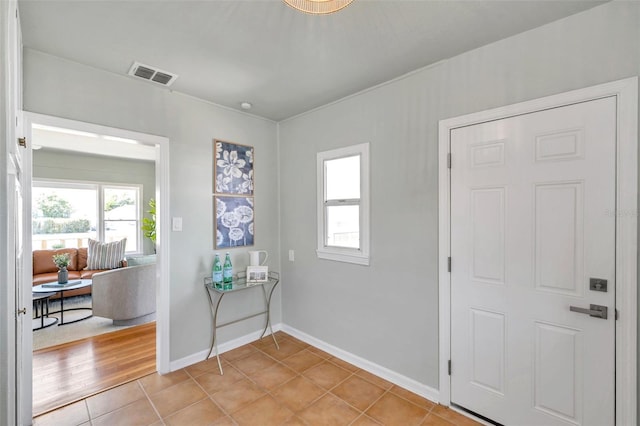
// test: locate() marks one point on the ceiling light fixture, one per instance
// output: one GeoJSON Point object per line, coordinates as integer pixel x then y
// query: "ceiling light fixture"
{"type": "Point", "coordinates": [119, 139]}
{"type": "Point", "coordinates": [61, 130]}
{"type": "Point", "coordinates": [318, 7]}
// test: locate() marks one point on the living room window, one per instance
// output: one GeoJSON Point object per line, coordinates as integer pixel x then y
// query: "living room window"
{"type": "Point", "coordinates": [121, 215]}
{"type": "Point", "coordinates": [343, 204]}
{"type": "Point", "coordinates": [67, 214]}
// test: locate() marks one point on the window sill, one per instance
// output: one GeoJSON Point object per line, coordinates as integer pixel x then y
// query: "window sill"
{"type": "Point", "coordinates": [341, 256]}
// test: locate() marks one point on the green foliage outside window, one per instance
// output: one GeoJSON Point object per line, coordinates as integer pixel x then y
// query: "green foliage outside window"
{"type": "Point", "coordinates": [116, 201]}
{"type": "Point", "coordinates": [149, 224]}
{"type": "Point", "coordinates": [53, 226]}
{"type": "Point", "coordinates": [53, 206]}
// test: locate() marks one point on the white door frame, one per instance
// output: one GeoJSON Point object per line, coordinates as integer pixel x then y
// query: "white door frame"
{"type": "Point", "coordinates": [626, 93]}
{"type": "Point", "coordinates": [162, 204]}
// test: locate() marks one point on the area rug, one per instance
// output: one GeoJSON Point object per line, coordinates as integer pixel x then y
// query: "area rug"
{"type": "Point", "coordinates": [56, 335]}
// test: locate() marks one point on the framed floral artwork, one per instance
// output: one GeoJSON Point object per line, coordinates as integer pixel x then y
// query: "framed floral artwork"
{"type": "Point", "coordinates": [234, 221]}
{"type": "Point", "coordinates": [232, 168]}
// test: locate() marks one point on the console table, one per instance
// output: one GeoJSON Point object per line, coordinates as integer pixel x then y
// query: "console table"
{"type": "Point", "coordinates": [239, 284]}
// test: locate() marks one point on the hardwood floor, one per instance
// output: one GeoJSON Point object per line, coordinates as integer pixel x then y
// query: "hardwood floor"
{"type": "Point", "coordinates": [69, 372]}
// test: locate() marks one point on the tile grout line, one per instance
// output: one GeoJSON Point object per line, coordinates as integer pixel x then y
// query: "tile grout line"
{"type": "Point", "coordinates": [269, 391]}
{"type": "Point", "coordinates": [146, 394]}
{"type": "Point", "coordinates": [329, 391]}
{"type": "Point", "coordinates": [296, 374]}
{"type": "Point", "coordinates": [91, 418]}
{"type": "Point", "coordinates": [210, 396]}
{"type": "Point", "coordinates": [86, 407]}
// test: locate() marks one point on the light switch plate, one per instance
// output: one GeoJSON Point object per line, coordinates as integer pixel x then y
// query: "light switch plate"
{"type": "Point", "coordinates": [291, 256]}
{"type": "Point", "coordinates": [176, 224]}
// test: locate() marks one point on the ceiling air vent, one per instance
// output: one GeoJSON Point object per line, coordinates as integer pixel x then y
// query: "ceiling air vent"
{"type": "Point", "coordinates": [155, 75]}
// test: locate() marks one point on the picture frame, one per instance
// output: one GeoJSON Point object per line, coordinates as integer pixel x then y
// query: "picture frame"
{"type": "Point", "coordinates": [234, 219]}
{"type": "Point", "coordinates": [232, 168]}
{"type": "Point", "coordinates": [257, 274]}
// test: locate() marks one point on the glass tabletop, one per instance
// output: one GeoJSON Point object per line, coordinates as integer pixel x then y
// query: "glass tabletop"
{"type": "Point", "coordinates": [54, 286]}
{"type": "Point", "coordinates": [239, 283]}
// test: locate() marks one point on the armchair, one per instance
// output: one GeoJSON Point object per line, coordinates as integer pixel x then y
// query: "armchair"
{"type": "Point", "coordinates": [125, 295]}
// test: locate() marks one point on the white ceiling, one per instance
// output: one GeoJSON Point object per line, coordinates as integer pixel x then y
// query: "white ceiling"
{"type": "Point", "coordinates": [282, 61]}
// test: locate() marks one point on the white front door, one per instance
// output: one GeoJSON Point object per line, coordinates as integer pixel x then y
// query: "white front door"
{"type": "Point", "coordinates": [22, 365]}
{"type": "Point", "coordinates": [532, 224]}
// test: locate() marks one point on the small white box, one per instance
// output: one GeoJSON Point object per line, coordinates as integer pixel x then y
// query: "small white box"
{"type": "Point", "coordinates": [257, 274]}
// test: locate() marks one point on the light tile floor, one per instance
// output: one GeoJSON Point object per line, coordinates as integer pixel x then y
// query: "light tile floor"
{"type": "Point", "coordinates": [296, 385]}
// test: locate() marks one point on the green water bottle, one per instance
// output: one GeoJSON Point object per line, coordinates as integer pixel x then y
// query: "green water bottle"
{"type": "Point", "coordinates": [217, 272]}
{"type": "Point", "coordinates": [227, 273]}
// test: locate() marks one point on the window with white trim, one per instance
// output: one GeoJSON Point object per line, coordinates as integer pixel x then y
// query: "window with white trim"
{"type": "Point", "coordinates": [66, 214]}
{"type": "Point", "coordinates": [343, 204]}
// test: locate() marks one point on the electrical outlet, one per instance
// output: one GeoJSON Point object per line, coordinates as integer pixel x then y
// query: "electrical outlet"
{"type": "Point", "coordinates": [291, 256]}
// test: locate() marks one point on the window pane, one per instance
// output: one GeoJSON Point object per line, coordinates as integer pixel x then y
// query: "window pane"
{"type": "Point", "coordinates": [121, 216]}
{"type": "Point", "coordinates": [343, 178]}
{"type": "Point", "coordinates": [117, 230]}
{"type": "Point", "coordinates": [63, 217]}
{"type": "Point", "coordinates": [343, 226]}
{"type": "Point", "coordinates": [120, 203]}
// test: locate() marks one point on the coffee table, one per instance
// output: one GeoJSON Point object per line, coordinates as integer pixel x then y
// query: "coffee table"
{"type": "Point", "coordinates": [61, 290]}
{"type": "Point", "coordinates": [41, 303]}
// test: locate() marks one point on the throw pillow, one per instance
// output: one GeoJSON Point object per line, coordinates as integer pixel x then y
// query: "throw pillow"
{"type": "Point", "coordinates": [105, 255]}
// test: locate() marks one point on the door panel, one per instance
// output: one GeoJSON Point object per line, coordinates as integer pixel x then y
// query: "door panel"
{"type": "Point", "coordinates": [557, 360]}
{"type": "Point", "coordinates": [487, 350]}
{"type": "Point", "coordinates": [487, 217]}
{"type": "Point", "coordinates": [529, 196]}
{"type": "Point", "coordinates": [559, 242]}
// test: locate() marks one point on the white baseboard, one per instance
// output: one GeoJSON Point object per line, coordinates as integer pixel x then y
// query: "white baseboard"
{"type": "Point", "coordinates": [405, 382]}
{"type": "Point", "coordinates": [396, 378]}
{"type": "Point", "coordinates": [223, 347]}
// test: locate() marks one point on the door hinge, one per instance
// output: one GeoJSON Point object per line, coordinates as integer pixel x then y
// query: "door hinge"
{"type": "Point", "coordinates": [449, 264]}
{"type": "Point", "coordinates": [617, 314]}
{"type": "Point", "coordinates": [22, 142]}
{"type": "Point", "coordinates": [449, 160]}
{"type": "Point", "coordinates": [449, 367]}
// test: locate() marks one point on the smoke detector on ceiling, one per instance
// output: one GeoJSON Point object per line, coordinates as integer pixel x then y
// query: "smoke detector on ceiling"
{"type": "Point", "coordinates": [155, 75]}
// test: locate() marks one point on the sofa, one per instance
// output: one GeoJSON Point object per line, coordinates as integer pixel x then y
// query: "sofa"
{"type": "Point", "coordinates": [126, 295]}
{"type": "Point", "coordinates": [44, 270]}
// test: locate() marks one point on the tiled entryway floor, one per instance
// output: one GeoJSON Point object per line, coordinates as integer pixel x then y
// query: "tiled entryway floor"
{"type": "Point", "coordinates": [296, 385]}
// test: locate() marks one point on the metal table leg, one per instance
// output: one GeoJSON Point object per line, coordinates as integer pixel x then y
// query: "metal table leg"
{"type": "Point", "coordinates": [214, 340]}
{"type": "Point", "coordinates": [267, 324]}
{"type": "Point", "coordinates": [61, 308]}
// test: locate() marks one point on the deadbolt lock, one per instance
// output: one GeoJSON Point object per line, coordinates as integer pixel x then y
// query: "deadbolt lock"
{"type": "Point", "coordinates": [598, 284]}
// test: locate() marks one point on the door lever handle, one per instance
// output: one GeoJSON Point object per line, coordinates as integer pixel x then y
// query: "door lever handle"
{"type": "Point", "coordinates": [596, 311]}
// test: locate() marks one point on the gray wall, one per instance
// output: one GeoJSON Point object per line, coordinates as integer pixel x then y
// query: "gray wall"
{"type": "Point", "coordinates": [388, 312]}
{"type": "Point", "coordinates": [77, 92]}
{"type": "Point", "coordinates": [54, 164]}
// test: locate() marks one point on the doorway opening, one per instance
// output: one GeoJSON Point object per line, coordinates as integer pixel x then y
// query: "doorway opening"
{"type": "Point", "coordinates": [115, 210]}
